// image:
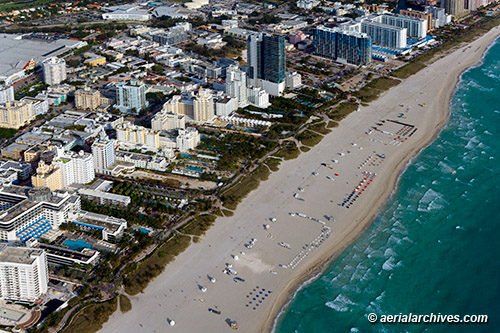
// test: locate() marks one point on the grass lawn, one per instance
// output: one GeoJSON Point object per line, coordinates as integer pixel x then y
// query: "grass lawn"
{"type": "Point", "coordinates": [139, 274]}
{"type": "Point", "coordinates": [233, 196]}
{"type": "Point", "coordinates": [92, 317]}
{"type": "Point", "coordinates": [309, 138]}
{"type": "Point", "coordinates": [125, 304]}
{"type": "Point", "coordinates": [289, 151]}
{"type": "Point", "coordinates": [375, 88]}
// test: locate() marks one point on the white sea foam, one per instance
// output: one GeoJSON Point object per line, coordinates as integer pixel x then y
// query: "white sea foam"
{"type": "Point", "coordinates": [430, 201]}
{"type": "Point", "coordinates": [477, 86]}
{"type": "Point", "coordinates": [375, 305]}
{"type": "Point", "coordinates": [393, 240]}
{"type": "Point", "coordinates": [445, 168]}
{"type": "Point", "coordinates": [375, 254]}
{"type": "Point", "coordinates": [340, 304]}
{"type": "Point", "coordinates": [389, 252]}
{"type": "Point", "coordinates": [464, 196]}
{"type": "Point", "coordinates": [389, 264]}
{"type": "Point", "coordinates": [470, 144]}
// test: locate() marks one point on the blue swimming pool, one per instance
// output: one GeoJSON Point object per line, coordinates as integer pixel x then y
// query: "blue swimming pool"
{"type": "Point", "coordinates": [143, 230]}
{"type": "Point", "coordinates": [194, 169]}
{"type": "Point", "coordinates": [77, 245]}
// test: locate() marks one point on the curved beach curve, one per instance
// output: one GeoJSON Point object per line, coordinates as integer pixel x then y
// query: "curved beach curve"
{"type": "Point", "coordinates": [176, 293]}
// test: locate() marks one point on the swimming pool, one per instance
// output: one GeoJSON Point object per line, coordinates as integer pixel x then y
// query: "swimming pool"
{"type": "Point", "coordinates": [143, 230]}
{"type": "Point", "coordinates": [194, 169]}
{"type": "Point", "coordinates": [77, 245]}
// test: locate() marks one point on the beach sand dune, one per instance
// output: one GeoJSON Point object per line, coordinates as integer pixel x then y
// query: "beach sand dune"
{"type": "Point", "coordinates": [372, 147]}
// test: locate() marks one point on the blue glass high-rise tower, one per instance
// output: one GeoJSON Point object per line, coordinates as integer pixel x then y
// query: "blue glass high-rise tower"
{"type": "Point", "coordinates": [266, 59]}
{"type": "Point", "coordinates": [343, 46]}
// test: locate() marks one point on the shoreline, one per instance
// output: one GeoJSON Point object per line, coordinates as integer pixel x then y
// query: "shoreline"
{"type": "Point", "coordinates": [175, 294]}
{"type": "Point", "coordinates": [289, 292]}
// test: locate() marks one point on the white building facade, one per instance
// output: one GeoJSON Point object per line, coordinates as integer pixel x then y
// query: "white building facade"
{"type": "Point", "coordinates": [76, 168]}
{"type": "Point", "coordinates": [187, 139]}
{"type": "Point", "coordinates": [236, 85]}
{"type": "Point", "coordinates": [131, 97]}
{"type": "Point", "coordinates": [54, 70]}
{"type": "Point", "coordinates": [23, 273]}
{"type": "Point", "coordinates": [103, 151]}
{"type": "Point", "coordinates": [6, 94]}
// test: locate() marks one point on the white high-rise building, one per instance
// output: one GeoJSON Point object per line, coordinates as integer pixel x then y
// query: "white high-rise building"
{"type": "Point", "coordinates": [439, 16]}
{"type": "Point", "coordinates": [187, 139]}
{"type": "Point", "coordinates": [76, 168]}
{"type": "Point", "coordinates": [84, 167]}
{"type": "Point", "coordinates": [23, 273]}
{"type": "Point", "coordinates": [131, 97]}
{"type": "Point", "coordinates": [103, 151]}
{"type": "Point", "coordinates": [54, 70]}
{"type": "Point", "coordinates": [203, 106]}
{"type": "Point", "coordinates": [6, 94]}
{"type": "Point", "coordinates": [236, 85]}
{"type": "Point", "coordinates": [415, 27]}
{"type": "Point", "coordinates": [384, 34]}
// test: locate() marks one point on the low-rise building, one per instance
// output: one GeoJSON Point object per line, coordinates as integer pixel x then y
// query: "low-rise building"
{"type": "Point", "coordinates": [293, 80]}
{"type": "Point", "coordinates": [126, 13]}
{"type": "Point", "coordinates": [63, 256]}
{"type": "Point", "coordinates": [112, 228]}
{"type": "Point", "coordinates": [167, 121]}
{"type": "Point", "coordinates": [258, 97]}
{"type": "Point", "coordinates": [307, 4]}
{"type": "Point", "coordinates": [93, 59]}
{"type": "Point", "coordinates": [22, 170]}
{"type": "Point", "coordinates": [143, 161]}
{"type": "Point", "coordinates": [104, 198]}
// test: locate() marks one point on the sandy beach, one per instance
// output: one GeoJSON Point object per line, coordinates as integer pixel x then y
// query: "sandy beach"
{"type": "Point", "coordinates": [320, 201]}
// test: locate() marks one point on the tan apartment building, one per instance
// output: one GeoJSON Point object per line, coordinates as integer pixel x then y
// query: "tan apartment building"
{"type": "Point", "coordinates": [418, 14]}
{"type": "Point", "coordinates": [16, 114]}
{"type": "Point", "coordinates": [47, 176]}
{"type": "Point", "coordinates": [87, 99]}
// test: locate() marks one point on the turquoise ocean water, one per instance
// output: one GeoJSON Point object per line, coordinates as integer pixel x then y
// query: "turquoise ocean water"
{"type": "Point", "coordinates": [435, 246]}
